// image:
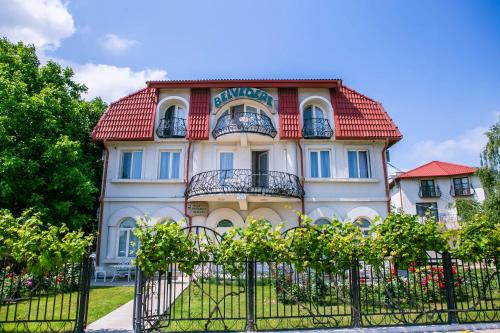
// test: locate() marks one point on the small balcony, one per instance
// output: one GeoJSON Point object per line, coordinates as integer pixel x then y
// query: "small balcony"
{"type": "Point", "coordinates": [237, 182]}
{"type": "Point", "coordinates": [171, 128]}
{"type": "Point", "coordinates": [244, 122]}
{"type": "Point", "coordinates": [429, 191]}
{"type": "Point", "coordinates": [317, 128]}
{"type": "Point", "coordinates": [462, 191]}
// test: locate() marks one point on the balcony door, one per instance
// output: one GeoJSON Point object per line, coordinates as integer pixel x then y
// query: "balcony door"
{"type": "Point", "coordinates": [175, 117]}
{"type": "Point", "coordinates": [313, 117]}
{"type": "Point", "coordinates": [260, 168]}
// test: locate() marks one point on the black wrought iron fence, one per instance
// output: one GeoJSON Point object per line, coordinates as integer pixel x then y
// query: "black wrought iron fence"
{"type": "Point", "coordinates": [56, 301]}
{"type": "Point", "coordinates": [274, 295]}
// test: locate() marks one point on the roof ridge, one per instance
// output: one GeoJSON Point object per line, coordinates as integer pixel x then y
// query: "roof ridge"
{"type": "Point", "coordinates": [130, 95]}
{"type": "Point", "coordinates": [357, 92]}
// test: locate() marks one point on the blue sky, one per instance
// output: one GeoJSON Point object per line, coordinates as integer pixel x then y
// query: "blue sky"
{"type": "Point", "coordinates": [435, 65]}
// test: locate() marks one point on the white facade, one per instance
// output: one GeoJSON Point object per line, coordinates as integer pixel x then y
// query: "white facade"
{"type": "Point", "coordinates": [406, 196]}
{"type": "Point", "coordinates": [332, 193]}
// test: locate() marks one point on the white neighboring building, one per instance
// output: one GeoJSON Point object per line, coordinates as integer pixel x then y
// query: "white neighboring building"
{"type": "Point", "coordinates": [214, 152]}
{"type": "Point", "coordinates": [435, 186]}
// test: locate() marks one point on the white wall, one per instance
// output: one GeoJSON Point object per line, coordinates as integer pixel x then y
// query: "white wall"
{"type": "Point", "coordinates": [338, 196]}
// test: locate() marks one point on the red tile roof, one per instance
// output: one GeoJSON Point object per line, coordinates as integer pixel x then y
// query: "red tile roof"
{"type": "Point", "coordinates": [360, 117]}
{"type": "Point", "coordinates": [288, 110]}
{"type": "Point", "coordinates": [438, 169]}
{"type": "Point", "coordinates": [129, 118]}
{"type": "Point", "coordinates": [199, 111]}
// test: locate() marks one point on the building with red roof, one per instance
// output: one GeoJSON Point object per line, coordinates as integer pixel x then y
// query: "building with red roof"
{"type": "Point", "coordinates": [434, 187]}
{"type": "Point", "coordinates": [217, 152]}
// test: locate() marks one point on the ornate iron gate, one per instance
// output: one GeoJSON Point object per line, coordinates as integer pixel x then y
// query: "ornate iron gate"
{"type": "Point", "coordinates": [275, 295]}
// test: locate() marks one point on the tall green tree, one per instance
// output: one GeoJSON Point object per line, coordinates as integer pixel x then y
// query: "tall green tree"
{"type": "Point", "coordinates": [47, 161]}
{"type": "Point", "coordinates": [489, 173]}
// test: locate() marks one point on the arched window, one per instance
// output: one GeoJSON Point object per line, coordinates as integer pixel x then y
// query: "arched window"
{"type": "Point", "coordinates": [313, 120]}
{"type": "Point", "coordinates": [225, 223]}
{"type": "Point", "coordinates": [322, 221]}
{"type": "Point", "coordinates": [313, 112]}
{"type": "Point", "coordinates": [127, 241]}
{"type": "Point", "coordinates": [167, 220]}
{"type": "Point", "coordinates": [364, 224]}
{"type": "Point", "coordinates": [175, 111]}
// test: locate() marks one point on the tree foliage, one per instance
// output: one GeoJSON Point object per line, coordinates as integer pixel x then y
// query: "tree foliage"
{"type": "Point", "coordinates": [47, 161]}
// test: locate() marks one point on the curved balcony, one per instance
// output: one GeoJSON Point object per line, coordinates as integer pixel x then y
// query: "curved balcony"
{"type": "Point", "coordinates": [317, 128]}
{"type": "Point", "coordinates": [244, 122]}
{"type": "Point", "coordinates": [171, 128]}
{"type": "Point", "coordinates": [245, 181]}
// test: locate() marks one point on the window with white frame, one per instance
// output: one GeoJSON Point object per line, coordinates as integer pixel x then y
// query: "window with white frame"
{"type": "Point", "coordinates": [359, 163]}
{"type": "Point", "coordinates": [131, 166]}
{"type": "Point", "coordinates": [322, 221]}
{"type": "Point", "coordinates": [319, 161]}
{"type": "Point", "coordinates": [170, 164]}
{"type": "Point", "coordinates": [364, 224]}
{"type": "Point", "coordinates": [127, 241]}
{"type": "Point", "coordinates": [226, 160]}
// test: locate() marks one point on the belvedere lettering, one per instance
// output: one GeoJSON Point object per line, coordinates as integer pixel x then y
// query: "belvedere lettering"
{"type": "Point", "coordinates": [231, 94]}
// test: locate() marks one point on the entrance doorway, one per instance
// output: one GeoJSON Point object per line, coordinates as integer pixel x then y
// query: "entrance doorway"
{"type": "Point", "coordinates": [260, 168]}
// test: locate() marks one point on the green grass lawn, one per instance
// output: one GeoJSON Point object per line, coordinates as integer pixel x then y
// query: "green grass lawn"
{"type": "Point", "coordinates": [62, 307]}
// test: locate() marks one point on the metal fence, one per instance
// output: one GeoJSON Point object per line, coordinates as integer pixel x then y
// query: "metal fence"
{"type": "Point", "coordinates": [272, 296]}
{"type": "Point", "coordinates": [49, 302]}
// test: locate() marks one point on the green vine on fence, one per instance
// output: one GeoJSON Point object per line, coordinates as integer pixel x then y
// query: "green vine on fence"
{"type": "Point", "coordinates": [39, 248]}
{"type": "Point", "coordinates": [402, 238]}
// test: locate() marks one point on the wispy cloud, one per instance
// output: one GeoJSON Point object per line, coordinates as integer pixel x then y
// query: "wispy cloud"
{"type": "Point", "coordinates": [465, 148]}
{"type": "Point", "coordinates": [112, 82]}
{"type": "Point", "coordinates": [44, 23]}
{"type": "Point", "coordinates": [116, 44]}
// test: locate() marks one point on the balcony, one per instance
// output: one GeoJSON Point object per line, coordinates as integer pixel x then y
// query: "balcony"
{"type": "Point", "coordinates": [244, 122]}
{"type": "Point", "coordinates": [241, 182]}
{"type": "Point", "coordinates": [462, 191]}
{"type": "Point", "coordinates": [171, 128]}
{"type": "Point", "coordinates": [317, 128]}
{"type": "Point", "coordinates": [429, 191]}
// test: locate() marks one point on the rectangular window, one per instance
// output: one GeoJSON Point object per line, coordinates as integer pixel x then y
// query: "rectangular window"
{"type": "Point", "coordinates": [358, 163]}
{"type": "Point", "coordinates": [424, 208]}
{"type": "Point", "coordinates": [131, 165]}
{"type": "Point", "coordinates": [428, 188]}
{"type": "Point", "coordinates": [170, 164]}
{"type": "Point", "coordinates": [320, 164]}
{"type": "Point", "coordinates": [226, 165]}
{"type": "Point", "coordinates": [462, 186]}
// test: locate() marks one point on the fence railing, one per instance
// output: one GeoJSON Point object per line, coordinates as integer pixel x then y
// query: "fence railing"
{"type": "Point", "coordinates": [51, 302]}
{"type": "Point", "coordinates": [273, 295]}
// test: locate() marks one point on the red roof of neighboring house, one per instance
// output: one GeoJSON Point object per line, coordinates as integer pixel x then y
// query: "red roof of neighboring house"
{"type": "Point", "coordinates": [360, 117]}
{"type": "Point", "coordinates": [437, 169]}
{"type": "Point", "coordinates": [288, 110]}
{"type": "Point", "coordinates": [129, 118]}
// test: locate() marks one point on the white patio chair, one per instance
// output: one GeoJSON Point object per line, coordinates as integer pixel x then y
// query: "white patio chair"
{"type": "Point", "coordinates": [97, 269]}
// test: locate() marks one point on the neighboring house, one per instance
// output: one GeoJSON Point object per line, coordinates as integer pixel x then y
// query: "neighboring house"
{"type": "Point", "coordinates": [214, 152]}
{"type": "Point", "coordinates": [433, 188]}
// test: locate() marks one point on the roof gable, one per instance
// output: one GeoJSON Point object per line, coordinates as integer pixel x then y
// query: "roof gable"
{"type": "Point", "coordinates": [438, 169]}
{"type": "Point", "coordinates": [129, 118]}
{"type": "Point", "coordinates": [360, 117]}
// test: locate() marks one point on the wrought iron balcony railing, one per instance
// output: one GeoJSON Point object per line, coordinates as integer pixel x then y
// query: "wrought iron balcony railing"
{"type": "Point", "coordinates": [429, 191]}
{"type": "Point", "coordinates": [244, 122]}
{"type": "Point", "coordinates": [270, 183]}
{"type": "Point", "coordinates": [317, 128]}
{"type": "Point", "coordinates": [462, 191]}
{"type": "Point", "coordinates": [171, 128]}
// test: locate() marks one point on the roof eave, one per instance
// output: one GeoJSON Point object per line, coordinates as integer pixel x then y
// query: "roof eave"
{"type": "Point", "coordinates": [330, 83]}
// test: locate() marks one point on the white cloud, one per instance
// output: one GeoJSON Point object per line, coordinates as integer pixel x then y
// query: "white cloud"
{"type": "Point", "coordinates": [45, 23]}
{"type": "Point", "coordinates": [112, 82]}
{"type": "Point", "coordinates": [466, 148]}
{"type": "Point", "coordinates": [115, 44]}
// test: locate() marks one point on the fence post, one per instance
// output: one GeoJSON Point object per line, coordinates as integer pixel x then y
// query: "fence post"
{"type": "Point", "coordinates": [449, 289]}
{"type": "Point", "coordinates": [355, 294]}
{"type": "Point", "coordinates": [138, 299]}
{"type": "Point", "coordinates": [251, 295]}
{"type": "Point", "coordinates": [83, 302]}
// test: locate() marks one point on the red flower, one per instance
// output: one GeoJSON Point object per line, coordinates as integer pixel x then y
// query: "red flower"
{"type": "Point", "coordinates": [362, 280]}
{"type": "Point", "coordinates": [425, 282]}
{"type": "Point", "coordinates": [59, 279]}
